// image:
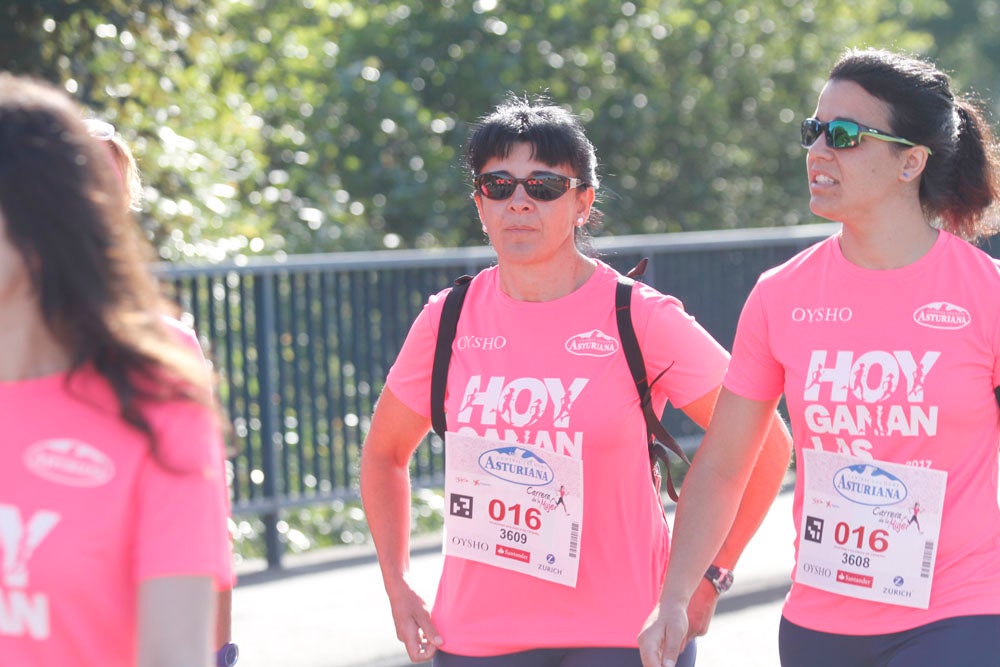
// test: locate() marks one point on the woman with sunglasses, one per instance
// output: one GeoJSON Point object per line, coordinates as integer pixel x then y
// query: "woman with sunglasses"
{"type": "Point", "coordinates": [112, 494]}
{"type": "Point", "coordinates": [556, 538]}
{"type": "Point", "coordinates": [885, 341]}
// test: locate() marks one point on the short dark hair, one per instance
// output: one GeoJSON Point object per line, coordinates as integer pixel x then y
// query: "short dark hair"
{"type": "Point", "coordinates": [555, 135]}
{"type": "Point", "coordinates": [959, 185]}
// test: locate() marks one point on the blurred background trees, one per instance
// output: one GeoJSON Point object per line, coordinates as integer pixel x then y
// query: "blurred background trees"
{"type": "Point", "coordinates": [291, 126]}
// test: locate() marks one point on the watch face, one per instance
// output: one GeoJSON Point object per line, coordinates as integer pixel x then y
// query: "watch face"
{"type": "Point", "coordinates": [228, 655]}
{"type": "Point", "coordinates": [721, 579]}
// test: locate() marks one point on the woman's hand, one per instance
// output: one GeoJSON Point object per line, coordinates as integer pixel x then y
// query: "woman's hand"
{"type": "Point", "coordinates": [414, 626]}
{"type": "Point", "coordinates": [701, 609]}
{"type": "Point", "coordinates": [664, 635]}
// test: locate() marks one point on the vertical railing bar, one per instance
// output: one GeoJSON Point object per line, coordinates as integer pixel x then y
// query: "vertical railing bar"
{"type": "Point", "coordinates": [327, 360]}
{"type": "Point", "coordinates": [280, 394]}
{"type": "Point", "coordinates": [344, 343]}
{"type": "Point", "coordinates": [315, 344]}
{"type": "Point", "coordinates": [244, 450]}
{"type": "Point", "coordinates": [251, 368]}
{"type": "Point", "coordinates": [267, 320]}
{"type": "Point", "coordinates": [295, 311]}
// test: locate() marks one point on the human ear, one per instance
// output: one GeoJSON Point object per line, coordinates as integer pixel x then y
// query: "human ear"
{"type": "Point", "coordinates": [913, 164]}
{"type": "Point", "coordinates": [584, 202]}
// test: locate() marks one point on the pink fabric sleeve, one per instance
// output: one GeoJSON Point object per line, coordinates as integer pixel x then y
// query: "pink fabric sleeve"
{"type": "Point", "coordinates": [185, 334]}
{"type": "Point", "coordinates": [670, 337]}
{"type": "Point", "coordinates": [182, 499]}
{"type": "Point", "coordinates": [754, 372]}
{"type": "Point", "coordinates": [409, 378]}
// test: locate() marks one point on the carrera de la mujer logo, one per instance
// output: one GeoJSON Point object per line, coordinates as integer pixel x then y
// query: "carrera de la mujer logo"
{"type": "Point", "coordinates": [868, 484]}
{"type": "Point", "coordinates": [517, 465]}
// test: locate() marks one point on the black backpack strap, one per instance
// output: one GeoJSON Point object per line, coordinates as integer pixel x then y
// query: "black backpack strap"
{"type": "Point", "coordinates": [442, 352]}
{"type": "Point", "coordinates": [659, 439]}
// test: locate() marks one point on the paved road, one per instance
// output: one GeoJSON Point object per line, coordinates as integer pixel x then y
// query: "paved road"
{"type": "Point", "coordinates": [330, 610]}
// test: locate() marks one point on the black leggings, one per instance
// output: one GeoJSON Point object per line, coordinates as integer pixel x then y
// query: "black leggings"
{"type": "Point", "coordinates": [561, 657]}
{"type": "Point", "coordinates": [963, 641]}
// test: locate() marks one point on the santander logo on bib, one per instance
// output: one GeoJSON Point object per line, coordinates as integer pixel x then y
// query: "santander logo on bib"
{"type": "Point", "coordinates": [69, 462]}
{"type": "Point", "coordinates": [942, 315]}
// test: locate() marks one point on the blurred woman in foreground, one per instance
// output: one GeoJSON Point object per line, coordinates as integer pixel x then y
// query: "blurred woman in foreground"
{"type": "Point", "coordinates": [112, 495]}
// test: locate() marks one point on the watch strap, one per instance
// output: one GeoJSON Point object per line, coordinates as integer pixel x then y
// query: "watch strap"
{"type": "Point", "coordinates": [720, 577]}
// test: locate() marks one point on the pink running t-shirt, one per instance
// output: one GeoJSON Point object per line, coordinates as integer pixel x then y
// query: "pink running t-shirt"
{"type": "Point", "coordinates": [898, 366]}
{"type": "Point", "coordinates": [510, 359]}
{"type": "Point", "coordinates": [88, 512]}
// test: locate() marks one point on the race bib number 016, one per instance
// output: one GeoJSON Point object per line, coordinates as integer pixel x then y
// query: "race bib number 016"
{"type": "Point", "coordinates": [514, 507]}
{"type": "Point", "coordinates": [870, 528]}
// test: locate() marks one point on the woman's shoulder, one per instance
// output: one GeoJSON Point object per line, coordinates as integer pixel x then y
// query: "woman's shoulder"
{"type": "Point", "coordinates": [969, 254]}
{"type": "Point", "coordinates": [475, 282]}
{"type": "Point", "coordinates": [188, 434]}
{"type": "Point", "coordinates": [801, 263]}
{"type": "Point", "coordinates": [182, 333]}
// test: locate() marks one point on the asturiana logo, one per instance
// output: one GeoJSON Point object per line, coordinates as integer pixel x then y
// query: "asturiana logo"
{"type": "Point", "coordinates": [942, 315]}
{"type": "Point", "coordinates": [592, 344]}
{"type": "Point", "coordinates": [867, 484]}
{"type": "Point", "coordinates": [69, 462]}
{"type": "Point", "coordinates": [517, 465]}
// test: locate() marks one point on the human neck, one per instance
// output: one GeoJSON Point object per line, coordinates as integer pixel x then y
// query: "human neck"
{"type": "Point", "coordinates": [545, 281]}
{"type": "Point", "coordinates": [28, 349]}
{"type": "Point", "coordinates": [888, 244]}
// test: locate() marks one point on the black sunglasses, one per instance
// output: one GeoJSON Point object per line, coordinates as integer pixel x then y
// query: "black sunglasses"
{"type": "Point", "coordinates": [540, 185]}
{"type": "Point", "coordinates": [844, 133]}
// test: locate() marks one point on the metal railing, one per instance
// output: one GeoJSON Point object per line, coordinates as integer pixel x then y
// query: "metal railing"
{"type": "Point", "coordinates": [302, 345]}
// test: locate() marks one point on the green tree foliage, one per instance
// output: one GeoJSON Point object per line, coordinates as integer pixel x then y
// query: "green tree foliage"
{"type": "Point", "coordinates": [966, 44]}
{"type": "Point", "coordinates": [309, 125]}
{"type": "Point", "coordinates": [156, 70]}
{"type": "Point", "coordinates": [693, 105]}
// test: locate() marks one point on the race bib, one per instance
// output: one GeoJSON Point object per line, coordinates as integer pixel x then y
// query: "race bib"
{"type": "Point", "coordinates": [514, 507]}
{"type": "Point", "coordinates": [870, 529]}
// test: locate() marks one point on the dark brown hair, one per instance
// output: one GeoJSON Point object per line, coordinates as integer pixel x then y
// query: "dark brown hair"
{"type": "Point", "coordinates": [64, 212]}
{"type": "Point", "coordinates": [960, 185]}
{"type": "Point", "coordinates": [555, 135]}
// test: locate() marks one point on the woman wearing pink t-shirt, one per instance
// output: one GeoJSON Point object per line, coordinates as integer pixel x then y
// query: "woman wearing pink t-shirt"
{"type": "Point", "coordinates": [885, 341]}
{"type": "Point", "coordinates": [125, 165]}
{"type": "Point", "coordinates": [112, 495]}
{"type": "Point", "coordinates": [556, 542]}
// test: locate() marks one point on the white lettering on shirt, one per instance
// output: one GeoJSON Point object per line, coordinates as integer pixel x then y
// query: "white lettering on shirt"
{"type": "Point", "coordinates": [22, 612]}
{"type": "Point", "coordinates": [856, 399]}
{"type": "Point", "coordinates": [511, 410]}
{"type": "Point", "coordinates": [872, 377]}
{"type": "Point", "coordinates": [835, 314]}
